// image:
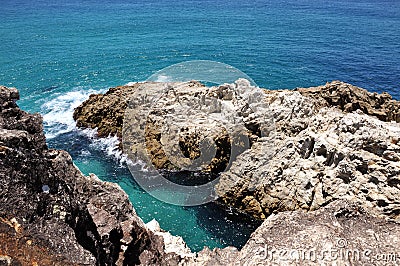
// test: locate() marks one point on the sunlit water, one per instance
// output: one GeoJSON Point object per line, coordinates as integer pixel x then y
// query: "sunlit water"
{"type": "Point", "coordinates": [58, 52]}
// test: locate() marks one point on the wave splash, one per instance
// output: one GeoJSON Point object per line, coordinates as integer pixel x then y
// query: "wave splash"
{"type": "Point", "coordinates": [58, 120]}
{"type": "Point", "coordinates": [110, 145]}
{"type": "Point", "coordinates": [57, 113]}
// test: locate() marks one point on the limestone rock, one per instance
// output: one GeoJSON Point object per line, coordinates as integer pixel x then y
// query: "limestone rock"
{"type": "Point", "coordinates": [326, 181]}
{"type": "Point", "coordinates": [187, 126]}
{"type": "Point", "coordinates": [105, 111]}
{"type": "Point", "coordinates": [325, 143]}
{"type": "Point", "coordinates": [318, 155]}
{"type": "Point", "coordinates": [341, 233]}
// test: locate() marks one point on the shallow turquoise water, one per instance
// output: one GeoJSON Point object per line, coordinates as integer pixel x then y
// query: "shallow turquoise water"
{"type": "Point", "coordinates": [207, 225]}
{"type": "Point", "coordinates": [57, 52]}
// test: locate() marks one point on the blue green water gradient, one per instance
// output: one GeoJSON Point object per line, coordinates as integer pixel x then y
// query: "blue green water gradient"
{"type": "Point", "coordinates": [56, 52]}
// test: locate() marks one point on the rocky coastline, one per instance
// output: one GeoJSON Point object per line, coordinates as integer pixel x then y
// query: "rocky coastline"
{"type": "Point", "coordinates": [328, 142]}
{"type": "Point", "coordinates": [332, 183]}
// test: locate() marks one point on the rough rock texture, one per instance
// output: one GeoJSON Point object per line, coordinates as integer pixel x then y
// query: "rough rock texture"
{"type": "Point", "coordinates": [170, 102]}
{"type": "Point", "coordinates": [105, 111]}
{"type": "Point", "coordinates": [329, 142]}
{"type": "Point", "coordinates": [339, 234]}
{"type": "Point", "coordinates": [189, 126]}
{"type": "Point", "coordinates": [349, 98]}
{"type": "Point", "coordinates": [50, 214]}
{"type": "Point", "coordinates": [317, 155]}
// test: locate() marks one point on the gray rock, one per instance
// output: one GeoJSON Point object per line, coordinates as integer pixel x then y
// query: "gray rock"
{"type": "Point", "coordinates": [349, 98]}
{"type": "Point", "coordinates": [325, 179]}
{"type": "Point", "coordinates": [339, 234]}
{"type": "Point", "coordinates": [305, 148]}
{"type": "Point", "coordinates": [318, 155]}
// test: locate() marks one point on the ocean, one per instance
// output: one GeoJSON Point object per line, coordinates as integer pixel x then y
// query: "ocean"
{"type": "Point", "coordinates": [57, 52]}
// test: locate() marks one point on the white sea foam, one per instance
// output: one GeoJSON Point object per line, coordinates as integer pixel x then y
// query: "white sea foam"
{"type": "Point", "coordinates": [57, 112]}
{"type": "Point", "coordinates": [163, 78]}
{"type": "Point", "coordinates": [58, 119]}
{"type": "Point", "coordinates": [130, 83]}
{"type": "Point", "coordinates": [110, 144]}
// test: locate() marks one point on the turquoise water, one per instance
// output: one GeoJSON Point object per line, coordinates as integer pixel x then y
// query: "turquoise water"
{"type": "Point", "coordinates": [207, 225]}
{"type": "Point", "coordinates": [57, 52]}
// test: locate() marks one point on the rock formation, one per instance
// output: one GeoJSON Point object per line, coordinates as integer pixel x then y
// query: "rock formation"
{"type": "Point", "coordinates": [319, 154]}
{"type": "Point", "coordinates": [105, 111]}
{"type": "Point", "coordinates": [325, 143]}
{"type": "Point", "coordinates": [349, 98]}
{"type": "Point", "coordinates": [340, 233]}
{"type": "Point", "coordinates": [220, 121]}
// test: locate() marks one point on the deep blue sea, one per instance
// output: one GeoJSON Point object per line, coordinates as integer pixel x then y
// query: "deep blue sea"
{"type": "Point", "coordinates": [57, 52]}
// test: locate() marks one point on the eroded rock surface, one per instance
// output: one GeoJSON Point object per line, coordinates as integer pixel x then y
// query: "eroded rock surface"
{"type": "Point", "coordinates": [105, 111]}
{"type": "Point", "coordinates": [319, 155]}
{"type": "Point", "coordinates": [187, 126]}
{"type": "Point", "coordinates": [326, 143]}
{"type": "Point", "coordinates": [326, 182]}
{"type": "Point", "coordinates": [349, 98]}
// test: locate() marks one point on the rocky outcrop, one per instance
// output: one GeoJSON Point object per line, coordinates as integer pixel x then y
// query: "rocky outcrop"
{"type": "Point", "coordinates": [349, 98]}
{"type": "Point", "coordinates": [105, 112]}
{"type": "Point", "coordinates": [340, 233]}
{"type": "Point", "coordinates": [343, 166]}
{"type": "Point", "coordinates": [317, 155]}
{"type": "Point", "coordinates": [50, 214]}
{"type": "Point", "coordinates": [187, 126]}
{"type": "Point", "coordinates": [325, 143]}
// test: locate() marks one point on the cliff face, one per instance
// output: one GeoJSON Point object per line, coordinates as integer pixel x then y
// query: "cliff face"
{"type": "Point", "coordinates": [53, 215]}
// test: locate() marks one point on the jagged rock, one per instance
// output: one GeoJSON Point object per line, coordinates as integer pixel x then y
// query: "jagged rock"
{"type": "Point", "coordinates": [51, 214]}
{"type": "Point", "coordinates": [318, 155]}
{"type": "Point", "coordinates": [349, 98]}
{"type": "Point", "coordinates": [326, 143]}
{"type": "Point", "coordinates": [187, 126]}
{"type": "Point", "coordinates": [105, 111]}
{"type": "Point", "coordinates": [168, 108]}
